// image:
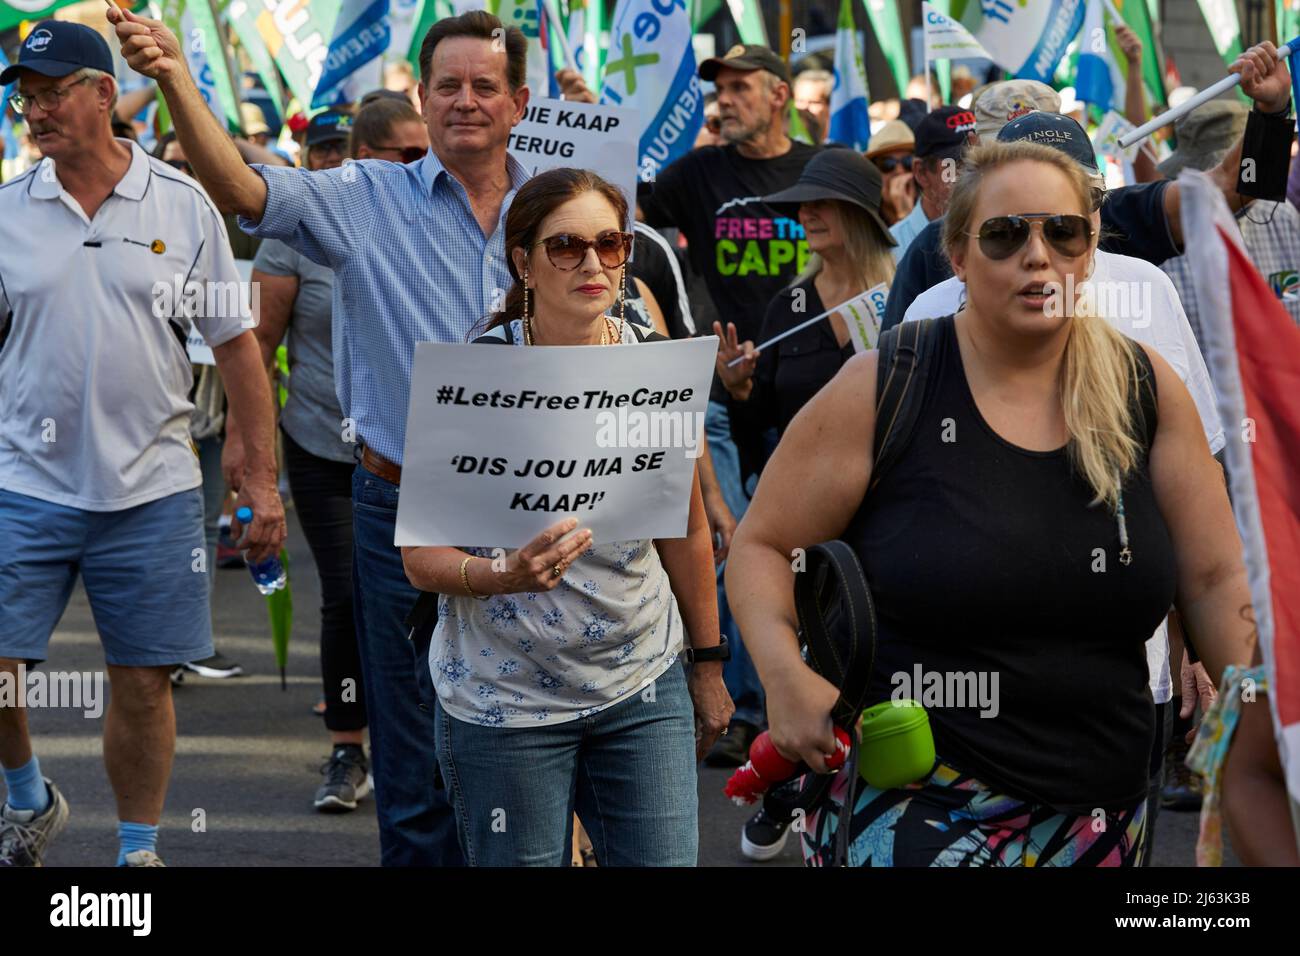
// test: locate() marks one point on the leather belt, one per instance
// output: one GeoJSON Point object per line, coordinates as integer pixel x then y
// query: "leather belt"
{"type": "Point", "coordinates": [377, 464]}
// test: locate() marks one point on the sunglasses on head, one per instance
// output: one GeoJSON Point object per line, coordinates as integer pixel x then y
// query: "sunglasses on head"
{"type": "Point", "coordinates": [1004, 236]}
{"type": "Point", "coordinates": [567, 251]}
{"type": "Point", "coordinates": [887, 164]}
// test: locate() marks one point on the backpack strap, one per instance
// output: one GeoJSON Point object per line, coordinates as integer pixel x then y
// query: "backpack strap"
{"type": "Point", "coordinates": [846, 655]}
{"type": "Point", "coordinates": [900, 389]}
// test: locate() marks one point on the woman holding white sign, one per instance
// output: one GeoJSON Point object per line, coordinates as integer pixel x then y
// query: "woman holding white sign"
{"type": "Point", "coordinates": [837, 199]}
{"type": "Point", "coordinates": [557, 666]}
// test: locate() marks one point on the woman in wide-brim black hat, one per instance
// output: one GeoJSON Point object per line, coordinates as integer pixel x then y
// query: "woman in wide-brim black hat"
{"type": "Point", "coordinates": [837, 203]}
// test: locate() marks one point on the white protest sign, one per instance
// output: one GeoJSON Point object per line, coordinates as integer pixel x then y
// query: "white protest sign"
{"type": "Point", "coordinates": [1106, 138]}
{"type": "Point", "coordinates": [591, 136]}
{"type": "Point", "coordinates": [502, 442]}
{"type": "Point", "coordinates": [197, 347]}
{"type": "Point", "coordinates": [863, 315]}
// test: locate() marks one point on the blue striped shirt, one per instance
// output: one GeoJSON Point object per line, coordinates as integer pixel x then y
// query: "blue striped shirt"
{"type": "Point", "coordinates": [411, 264]}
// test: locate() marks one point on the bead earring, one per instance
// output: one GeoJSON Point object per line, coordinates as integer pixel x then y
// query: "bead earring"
{"type": "Point", "coordinates": [622, 298]}
{"type": "Point", "coordinates": [527, 302]}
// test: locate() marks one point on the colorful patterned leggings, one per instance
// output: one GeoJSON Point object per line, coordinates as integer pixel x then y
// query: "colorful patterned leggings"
{"type": "Point", "coordinates": [951, 819]}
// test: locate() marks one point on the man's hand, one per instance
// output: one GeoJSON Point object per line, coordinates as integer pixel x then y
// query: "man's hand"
{"type": "Point", "coordinates": [267, 532]}
{"type": "Point", "coordinates": [1264, 78]}
{"type": "Point", "coordinates": [148, 46]}
{"type": "Point", "coordinates": [1130, 44]}
{"type": "Point", "coordinates": [233, 459]}
{"type": "Point", "coordinates": [574, 87]}
{"type": "Point", "coordinates": [1196, 688]}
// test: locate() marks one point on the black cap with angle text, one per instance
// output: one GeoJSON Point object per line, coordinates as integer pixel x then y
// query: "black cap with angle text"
{"type": "Point", "coordinates": [747, 57]}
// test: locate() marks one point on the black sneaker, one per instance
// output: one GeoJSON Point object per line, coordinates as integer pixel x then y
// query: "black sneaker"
{"type": "Point", "coordinates": [732, 748]}
{"type": "Point", "coordinates": [763, 837]}
{"type": "Point", "coordinates": [217, 666]}
{"type": "Point", "coordinates": [1181, 792]}
{"type": "Point", "coordinates": [347, 780]}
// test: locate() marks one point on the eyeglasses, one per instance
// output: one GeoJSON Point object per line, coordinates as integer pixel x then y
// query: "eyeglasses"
{"type": "Point", "coordinates": [47, 100]}
{"type": "Point", "coordinates": [887, 164]}
{"type": "Point", "coordinates": [567, 251]}
{"type": "Point", "coordinates": [331, 147]}
{"type": "Point", "coordinates": [409, 154]}
{"type": "Point", "coordinates": [1003, 236]}
{"type": "Point", "coordinates": [713, 124]}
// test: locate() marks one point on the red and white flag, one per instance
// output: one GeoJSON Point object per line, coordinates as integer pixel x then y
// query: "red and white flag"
{"type": "Point", "coordinates": [1253, 352]}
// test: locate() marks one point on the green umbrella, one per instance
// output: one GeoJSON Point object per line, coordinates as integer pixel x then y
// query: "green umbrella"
{"type": "Point", "coordinates": [279, 605]}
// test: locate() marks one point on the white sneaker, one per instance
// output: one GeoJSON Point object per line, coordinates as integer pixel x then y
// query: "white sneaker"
{"type": "Point", "coordinates": [143, 858]}
{"type": "Point", "coordinates": [24, 834]}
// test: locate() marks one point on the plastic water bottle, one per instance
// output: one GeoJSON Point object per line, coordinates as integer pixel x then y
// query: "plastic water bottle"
{"type": "Point", "coordinates": [268, 575]}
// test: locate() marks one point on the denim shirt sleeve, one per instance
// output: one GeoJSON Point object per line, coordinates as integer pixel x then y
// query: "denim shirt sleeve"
{"type": "Point", "coordinates": [324, 214]}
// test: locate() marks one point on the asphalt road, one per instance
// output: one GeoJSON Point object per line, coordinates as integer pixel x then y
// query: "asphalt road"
{"type": "Point", "coordinates": [248, 756]}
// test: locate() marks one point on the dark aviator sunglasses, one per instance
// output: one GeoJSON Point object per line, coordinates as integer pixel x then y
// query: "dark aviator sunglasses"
{"type": "Point", "coordinates": [1003, 236]}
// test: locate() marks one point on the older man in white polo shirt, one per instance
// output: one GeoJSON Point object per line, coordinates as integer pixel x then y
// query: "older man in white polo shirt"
{"type": "Point", "coordinates": [105, 258]}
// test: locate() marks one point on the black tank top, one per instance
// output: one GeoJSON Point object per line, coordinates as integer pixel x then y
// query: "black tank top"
{"type": "Point", "coordinates": [985, 558]}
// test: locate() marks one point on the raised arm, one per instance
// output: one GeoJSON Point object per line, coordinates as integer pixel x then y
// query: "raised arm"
{"type": "Point", "coordinates": [1265, 80]}
{"type": "Point", "coordinates": [809, 491]}
{"type": "Point", "coordinates": [153, 51]}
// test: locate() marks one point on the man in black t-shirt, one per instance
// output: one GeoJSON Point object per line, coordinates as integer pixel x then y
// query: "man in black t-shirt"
{"type": "Point", "coordinates": [746, 252]}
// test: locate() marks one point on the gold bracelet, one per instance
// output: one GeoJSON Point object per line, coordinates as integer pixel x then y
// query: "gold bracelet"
{"type": "Point", "coordinates": [464, 579]}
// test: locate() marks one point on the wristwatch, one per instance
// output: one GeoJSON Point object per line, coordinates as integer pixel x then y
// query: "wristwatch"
{"type": "Point", "coordinates": [700, 655]}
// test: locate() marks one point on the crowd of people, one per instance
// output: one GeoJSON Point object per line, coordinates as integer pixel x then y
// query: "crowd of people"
{"type": "Point", "coordinates": [523, 685]}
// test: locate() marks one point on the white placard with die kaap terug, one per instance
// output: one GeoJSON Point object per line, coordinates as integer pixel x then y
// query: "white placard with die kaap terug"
{"type": "Point", "coordinates": [502, 442]}
{"type": "Point", "coordinates": [604, 139]}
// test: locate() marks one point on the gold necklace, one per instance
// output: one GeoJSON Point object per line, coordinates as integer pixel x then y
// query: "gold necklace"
{"type": "Point", "coordinates": [606, 330]}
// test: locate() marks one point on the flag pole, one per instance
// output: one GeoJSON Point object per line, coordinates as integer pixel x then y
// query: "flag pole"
{"type": "Point", "coordinates": [231, 75]}
{"type": "Point", "coordinates": [557, 30]}
{"type": "Point", "coordinates": [1229, 82]}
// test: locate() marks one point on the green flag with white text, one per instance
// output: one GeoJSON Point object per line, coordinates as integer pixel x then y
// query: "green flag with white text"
{"type": "Point", "coordinates": [1138, 17]}
{"type": "Point", "coordinates": [749, 20]}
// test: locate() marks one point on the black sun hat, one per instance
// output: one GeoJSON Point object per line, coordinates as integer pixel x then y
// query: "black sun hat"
{"type": "Point", "coordinates": [842, 174]}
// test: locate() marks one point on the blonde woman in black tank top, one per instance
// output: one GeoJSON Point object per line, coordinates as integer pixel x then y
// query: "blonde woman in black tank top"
{"type": "Point", "coordinates": [1057, 496]}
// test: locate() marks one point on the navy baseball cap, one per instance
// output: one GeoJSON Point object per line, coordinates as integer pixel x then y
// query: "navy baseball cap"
{"type": "Point", "coordinates": [57, 48]}
{"type": "Point", "coordinates": [943, 132]}
{"type": "Point", "coordinates": [1057, 131]}
{"type": "Point", "coordinates": [330, 125]}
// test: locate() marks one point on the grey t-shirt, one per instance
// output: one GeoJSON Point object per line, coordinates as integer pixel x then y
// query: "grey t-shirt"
{"type": "Point", "coordinates": [312, 416]}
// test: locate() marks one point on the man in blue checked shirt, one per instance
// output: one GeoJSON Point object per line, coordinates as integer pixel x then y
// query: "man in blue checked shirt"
{"type": "Point", "coordinates": [418, 255]}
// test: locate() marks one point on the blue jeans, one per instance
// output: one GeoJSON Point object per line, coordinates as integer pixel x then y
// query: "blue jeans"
{"type": "Point", "coordinates": [739, 673]}
{"type": "Point", "coordinates": [416, 825]}
{"type": "Point", "coordinates": [628, 771]}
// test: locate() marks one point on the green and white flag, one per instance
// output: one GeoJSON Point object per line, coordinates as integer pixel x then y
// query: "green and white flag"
{"type": "Point", "coordinates": [427, 14]}
{"type": "Point", "coordinates": [14, 12]}
{"type": "Point", "coordinates": [239, 15]}
{"type": "Point", "coordinates": [749, 20]}
{"type": "Point", "coordinates": [1221, 18]}
{"type": "Point", "coordinates": [1138, 17]}
{"type": "Point", "coordinates": [883, 15]}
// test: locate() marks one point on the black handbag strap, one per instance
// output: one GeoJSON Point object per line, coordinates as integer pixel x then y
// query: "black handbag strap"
{"type": "Point", "coordinates": [844, 656]}
{"type": "Point", "coordinates": [847, 656]}
{"type": "Point", "coordinates": [900, 389]}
